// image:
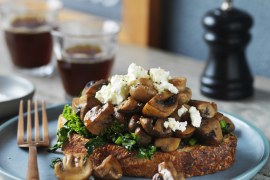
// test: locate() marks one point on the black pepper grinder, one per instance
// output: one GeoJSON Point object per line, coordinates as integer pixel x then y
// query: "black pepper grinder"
{"type": "Point", "coordinates": [227, 75]}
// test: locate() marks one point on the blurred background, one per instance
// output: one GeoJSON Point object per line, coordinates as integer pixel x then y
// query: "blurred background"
{"type": "Point", "coordinates": [175, 25]}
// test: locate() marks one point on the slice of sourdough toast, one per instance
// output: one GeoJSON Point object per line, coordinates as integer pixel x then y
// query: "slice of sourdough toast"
{"type": "Point", "coordinates": [191, 160]}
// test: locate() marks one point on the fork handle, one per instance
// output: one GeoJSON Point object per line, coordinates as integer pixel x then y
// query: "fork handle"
{"type": "Point", "coordinates": [32, 171]}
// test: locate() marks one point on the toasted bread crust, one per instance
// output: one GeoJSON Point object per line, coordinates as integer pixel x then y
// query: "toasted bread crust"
{"type": "Point", "coordinates": [191, 160]}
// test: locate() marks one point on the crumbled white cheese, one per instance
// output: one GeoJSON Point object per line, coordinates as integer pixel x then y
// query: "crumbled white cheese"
{"type": "Point", "coordinates": [195, 116]}
{"type": "Point", "coordinates": [119, 83]}
{"type": "Point", "coordinates": [165, 85]}
{"type": "Point", "coordinates": [115, 92]}
{"type": "Point", "coordinates": [118, 88]}
{"type": "Point", "coordinates": [160, 79]}
{"type": "Point", "coordinates": [175, 125]}
{"type": "Point", "coordinates": [182, 111]}
{"type": "Point", "coordinates": [136, 72]}
{"type": "Point", "coordinates": [158, 75]}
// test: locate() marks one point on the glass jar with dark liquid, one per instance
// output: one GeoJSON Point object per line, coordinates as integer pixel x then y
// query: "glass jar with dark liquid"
{"type": "Point", "coordinates": [29, 42]}
{"type": "Point", "coordinates": [79, 66]}
{"type": "Point", "coordinates": [27, 27]}
{"type": "Point", "coordinates": [85, 51]}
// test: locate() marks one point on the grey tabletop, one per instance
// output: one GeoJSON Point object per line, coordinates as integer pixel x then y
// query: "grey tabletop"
{"type": "Point", "coordinates": [254, 109]}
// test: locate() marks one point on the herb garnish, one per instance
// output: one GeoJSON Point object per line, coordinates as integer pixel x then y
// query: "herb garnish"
{"type": "Point", "coordinates": [116, 134]}
{"type": "Point", "coordinates": [224, 126]}
{"type": "Point", "coordinates": [146, 152]}
{"type": "Point", "coordinates": [192, 141]}
{"type": "Point", "coordinates": [54, 161]}
{"type": "Point", "coordinates": [94, 143]}
{"type": "Point", "coordinates": [73, 124]}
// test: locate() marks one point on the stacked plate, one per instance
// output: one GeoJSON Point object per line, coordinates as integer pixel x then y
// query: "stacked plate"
{"type": "Point", "coordinates": [12, 90]}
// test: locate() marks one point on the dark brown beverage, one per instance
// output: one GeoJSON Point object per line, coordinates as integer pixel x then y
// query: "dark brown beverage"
{"type": "Point", "coordinates": [29, 42]}
{"type": "Point", "coordinates": [76, 72]}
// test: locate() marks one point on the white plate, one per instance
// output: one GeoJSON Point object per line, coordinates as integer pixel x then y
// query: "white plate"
{"type": "Point", "coordinates": [12, 90]}
{"type": "Point", "coordinates": [252, 151]}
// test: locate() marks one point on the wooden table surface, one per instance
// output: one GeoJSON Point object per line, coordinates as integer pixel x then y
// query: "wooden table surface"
{"type": "Point", "coordinates": [255, 109]}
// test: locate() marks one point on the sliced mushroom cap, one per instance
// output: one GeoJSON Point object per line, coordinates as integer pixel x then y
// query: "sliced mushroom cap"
{"type": "Point", "coordinates": [184, 117]}
{"type": "Point", "coordinates": [184, 97]}
{"type": "Point", "coordinates": [73, 166]}
{"type": "Point", "coordinates": [91, 102]}
{"type": "Point", "coordinates": [210, 132]}
{"type": "Point", "coordinates": [160, 130]}
{"type": "Point", "coordinates": [147, 124]}
{"type": "Point", "coordinates": [130, 105]}
{"type": "Point", "coordinates": [143, 91]}
{"type": "Point", "coordinates": [157, 130]}
{"type": "Point", "coordinates": [166, 171]}
{"type": "Point", "coordinates": [207, 109]}
{"type": "Point", "coordinates": [87, 87]}
{"type": "Point", "coordinates": [75, 103]}
{"type": "Point", "coordinates": [161, 105]}
{"type": "Point", "coordinates": [185, 134]}
{"type": "Point", "coordinates": [179, 83]}
{"type": "Point", "coordinates": [134, 123]}
{"type": "Point", "coordinates": [219, 116]}
{"type": "Point", "coordinates": [87, 100]}
{"type": "Point", "coordinates": [144, 138]}
{"type": "Point", "coordinates": [93, 86]}
{"type": "Point", "coordinates": [120, 117]}
{"type": "Point", "coordinates": [229, 123]}
{"type": "Point", "coordinates": [109, 169]}
{"type": "Point", "coordinates": [168, 144]}
{"type": "Point", "coordinates": [98, 118]}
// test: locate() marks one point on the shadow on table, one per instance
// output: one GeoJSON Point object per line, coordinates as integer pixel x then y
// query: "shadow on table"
{"type": "Point", "coordinates": [6, 118]}
{"type": "Point", "coordinates": [261, 95]}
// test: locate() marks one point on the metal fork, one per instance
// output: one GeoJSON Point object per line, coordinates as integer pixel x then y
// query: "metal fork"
{"type": "Point", "coordinates": [32, 171]}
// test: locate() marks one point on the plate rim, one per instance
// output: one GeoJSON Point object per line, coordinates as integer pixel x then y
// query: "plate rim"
{"type": "Point", "coordinates": [252, 171]}
{"type": "Point", "coordinates": [244, 175]}
{"type": "Point", "coordinates": [31, 91]}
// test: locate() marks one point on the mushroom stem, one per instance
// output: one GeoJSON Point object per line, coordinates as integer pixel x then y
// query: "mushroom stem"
{"type": "Point", "coordinates": [168, 144]}
{"type": "Point", "coordinates": [109, 169]}
{"type": "Point", "coordinates": [73, 166]}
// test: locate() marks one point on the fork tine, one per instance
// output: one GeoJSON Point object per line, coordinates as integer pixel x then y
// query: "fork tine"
{"type": "Point", "coordinates": [37, 138]}
{"type": "Point", "coordinates": [20, 129]}
{"type": "Point", "coordinates": [32, 171]}
{"type": "Point", "coordinates": [29, 123]}
{"type": "Point", "coordinates": [46, 138]}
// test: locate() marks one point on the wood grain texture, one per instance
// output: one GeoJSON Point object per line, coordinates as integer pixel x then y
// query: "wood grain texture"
{"type": "Point", "coordinates": [141, 22]}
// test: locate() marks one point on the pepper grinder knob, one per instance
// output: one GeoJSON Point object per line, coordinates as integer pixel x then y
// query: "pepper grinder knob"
{"type": "Point", "coordinates": [226, 75]}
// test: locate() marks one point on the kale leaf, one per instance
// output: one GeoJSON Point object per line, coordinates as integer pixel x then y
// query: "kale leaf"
{"type": "Point", "coordinates": [62, 136]}
{"type": "Point", "coordinates": [116, 134]}
{"type": "Point", "coordinates": [94, 143]}
{"type": "Point", "coordinates": [73, 124]}
{"type": "Point", "coordinates": [54, 161]}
